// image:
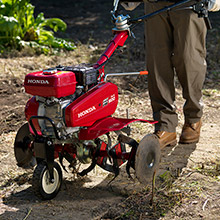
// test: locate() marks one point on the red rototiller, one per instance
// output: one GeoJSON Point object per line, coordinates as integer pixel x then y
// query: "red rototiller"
{"type": "Point", "coordinates": [70, 110]}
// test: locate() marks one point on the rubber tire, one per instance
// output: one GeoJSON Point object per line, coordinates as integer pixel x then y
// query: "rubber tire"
{"type": "Point", "coordinates": [38, 181]}
{"type": "Point", "coordinates": [147, 158]}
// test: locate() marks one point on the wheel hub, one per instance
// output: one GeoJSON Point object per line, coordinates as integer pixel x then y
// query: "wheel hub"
{"type": "Point", "coordinates": [50, 186]}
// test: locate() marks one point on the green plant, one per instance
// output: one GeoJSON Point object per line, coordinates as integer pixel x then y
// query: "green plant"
{"type": "Point", "coordinates": [19, 27]}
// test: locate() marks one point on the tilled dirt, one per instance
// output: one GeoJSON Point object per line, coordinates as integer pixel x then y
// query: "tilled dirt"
{"type": "Point", "coordinates": [188, 181]}
{"type": "Point", "coordinates": [12, 113]}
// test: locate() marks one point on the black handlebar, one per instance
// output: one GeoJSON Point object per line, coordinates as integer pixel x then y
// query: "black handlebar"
{"type": "Point", "coordinates": [199, 7]}
{"type": "Point", "coordinates": [167, 8]}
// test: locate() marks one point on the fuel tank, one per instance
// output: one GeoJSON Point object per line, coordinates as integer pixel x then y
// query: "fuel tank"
{"type": "Point", "coordinates": [50, 82]}
{"type": "Point", "coordinates": [99, 102]}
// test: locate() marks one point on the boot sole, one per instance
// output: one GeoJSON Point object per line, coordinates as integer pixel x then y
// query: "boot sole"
{"type": "Point", "coordinates": [194, 141]}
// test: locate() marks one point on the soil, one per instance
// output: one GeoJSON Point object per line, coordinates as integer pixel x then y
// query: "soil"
{"type": "Point", "coordinates": [188, 179]}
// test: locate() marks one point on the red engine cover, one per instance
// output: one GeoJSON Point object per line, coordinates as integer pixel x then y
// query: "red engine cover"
{"type": "Point", "coordinates": [57, 84]}
{"type": "Point", "coordinates": [99, 102]}
{"type": "Point", "coordinates": [31, 109]}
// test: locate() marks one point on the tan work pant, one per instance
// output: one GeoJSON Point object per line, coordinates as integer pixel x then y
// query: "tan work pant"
{"type": "Point", "coordinates": [175, 44]}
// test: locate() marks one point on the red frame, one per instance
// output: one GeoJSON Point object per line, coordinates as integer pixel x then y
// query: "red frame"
{"type": "Point", "coordinates": [118, 41]}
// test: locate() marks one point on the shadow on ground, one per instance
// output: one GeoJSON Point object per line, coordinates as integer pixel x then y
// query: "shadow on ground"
{"type": "Point", "coordinates": [102, 200]}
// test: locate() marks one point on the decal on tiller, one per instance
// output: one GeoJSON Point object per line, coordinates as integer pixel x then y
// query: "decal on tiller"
{"type": "Point", "coordinates": [85, 112]}
{"type": "Point", "coordinates": [112, 98]}
{"type": "Point", "coordinates": [37, 81]}
{"type": "Point", "coordinates": [105, 102]}
{"type": "Point", "coordinates": [108, 100]}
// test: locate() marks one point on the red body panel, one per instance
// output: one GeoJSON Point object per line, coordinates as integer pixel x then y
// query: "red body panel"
{"type": "Point", "coordinates": [105, 125]}
{"type": "Point", "coordinates": [99, 102]}
{"type": "Point", "coordinates": [31, 109]}
{"type": "Point", "coordinates": [59, 84]}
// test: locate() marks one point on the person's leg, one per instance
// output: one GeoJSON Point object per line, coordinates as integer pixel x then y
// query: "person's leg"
{"type": "Point", "coordinates": [159, 47]}
{"type": "Point", "coordinates": [190, 64]}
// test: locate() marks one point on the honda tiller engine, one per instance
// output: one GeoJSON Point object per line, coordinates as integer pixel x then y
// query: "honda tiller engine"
{"type": "Point", "coordinates": [67, 117]}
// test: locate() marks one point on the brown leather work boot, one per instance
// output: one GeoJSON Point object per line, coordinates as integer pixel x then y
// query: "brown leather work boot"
{"type": "Point", "coordinates": [166, 138]}
{"type": "Point", "coordinates": [190, 133]}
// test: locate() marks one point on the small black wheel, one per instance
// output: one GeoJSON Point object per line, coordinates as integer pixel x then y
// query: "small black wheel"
{"type": "Point", "coordinates": [41, 184]}
{"type": "Point", "coordinates": [147, 158]}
